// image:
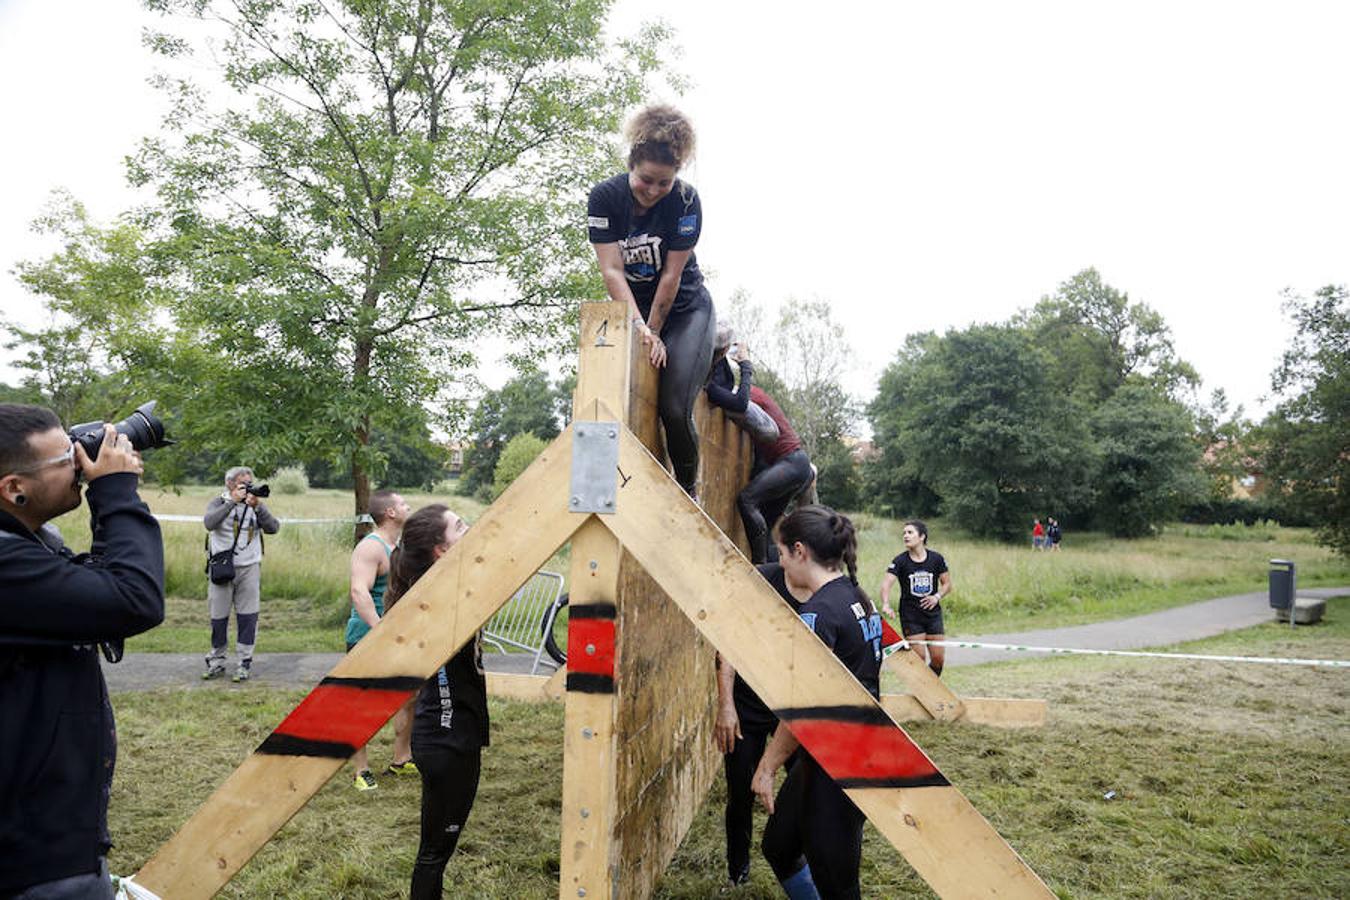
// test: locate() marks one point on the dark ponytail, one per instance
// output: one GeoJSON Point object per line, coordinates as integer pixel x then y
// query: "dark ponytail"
{"type": "Point", "coordinates": [416, 551]}
{"type": "Point", "coordinates": [830, 538]}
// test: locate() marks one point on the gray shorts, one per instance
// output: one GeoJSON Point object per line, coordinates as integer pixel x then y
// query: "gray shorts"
{"type": "Point", "coordinates": [244, 593]}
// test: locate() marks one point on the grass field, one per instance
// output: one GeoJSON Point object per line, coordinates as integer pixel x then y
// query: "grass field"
{"type": "Point", "coordinates": [1230, 780]}
{"type": "Point", "coordinates": [997, 587]}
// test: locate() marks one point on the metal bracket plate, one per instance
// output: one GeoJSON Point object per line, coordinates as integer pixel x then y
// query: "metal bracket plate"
{"type": "Point", "coordinates": [595, 467]}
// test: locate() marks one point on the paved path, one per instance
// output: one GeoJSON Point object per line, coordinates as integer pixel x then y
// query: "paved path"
{"type": "Point", "coordinates": [143, 671]}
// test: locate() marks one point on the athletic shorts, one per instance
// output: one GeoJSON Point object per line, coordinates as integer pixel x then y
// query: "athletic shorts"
{"type": "Point", "coordinates": [914, 619]}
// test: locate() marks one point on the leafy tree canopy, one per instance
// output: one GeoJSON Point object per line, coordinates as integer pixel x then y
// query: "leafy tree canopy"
{"type": "Point", "coordinates": [1306, 438]}
{"type": "Point", "coordinates": [348, 203]}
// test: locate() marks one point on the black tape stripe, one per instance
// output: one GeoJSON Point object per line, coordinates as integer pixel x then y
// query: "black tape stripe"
{"type": "Point", "coordinates": [402, 683]}
{"type": "Point", "coordinates": [864, 715]}
{"type": "Point", "coordinates": [935, 780]}
{"type": "Point", "coordinates": [587, 683]}
{"type": "Point", "coordinates": [593, 611]}
{"type": "Point", "coordinates": [278, 744]}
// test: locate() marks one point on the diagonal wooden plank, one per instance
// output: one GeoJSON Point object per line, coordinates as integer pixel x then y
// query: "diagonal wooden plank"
{"type": "Point", "coordinates": [456, 597]}
{"type": "Point", "coordinates": [886, 774]}
{"type": "Point", "coordinates": [923, 683]}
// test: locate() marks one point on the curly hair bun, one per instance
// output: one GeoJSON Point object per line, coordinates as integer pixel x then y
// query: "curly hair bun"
{"type": "Point", "coordinates": [660, 133]}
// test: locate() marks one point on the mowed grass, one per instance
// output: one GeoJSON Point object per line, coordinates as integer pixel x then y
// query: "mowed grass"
{"type": "Point", "coordinates": [998, 587]}
{"type": "Point", "coordinates": [1230, 780]}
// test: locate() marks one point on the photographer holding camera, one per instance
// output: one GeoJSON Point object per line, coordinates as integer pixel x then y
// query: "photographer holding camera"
{"type": "Point", "coordinates": [58, 744]}
{"type": "Point", "coordinates": [236, 520]}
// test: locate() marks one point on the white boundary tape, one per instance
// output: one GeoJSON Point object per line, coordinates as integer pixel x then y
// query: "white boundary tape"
{"type": "Point", "coordinates": [1268, 660]}
{"type": "Point", "coordinates": [349, 520]}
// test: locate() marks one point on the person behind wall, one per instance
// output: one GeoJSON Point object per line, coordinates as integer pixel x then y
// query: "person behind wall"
{"type": "Point", "coordinates": [236, 521]}
{"type": "Point", "coordinates": [58, 742]}
{"type": "Point", "coordinates": [924, 580]}
{"type": "Point", "coordinates": [781, 468]}
{"type": "Point", "coordinates": [369, 577]}
{"type": "Point", "coordinates": [744, 726]}
{"type": "Point", "coordinates": [644, 224]}
{"type": "Point", "coordinates": [813, 839]}
{"type": "Point", "coordinates": [450, 724]}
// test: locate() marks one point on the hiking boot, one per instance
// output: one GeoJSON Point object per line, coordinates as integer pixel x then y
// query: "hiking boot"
{"type": "Point", "coordinates": [364, 781]}
{"type": "Point", "coordinates": [213, 670]}
{"type": "Point", "coordinates": [404, 768]}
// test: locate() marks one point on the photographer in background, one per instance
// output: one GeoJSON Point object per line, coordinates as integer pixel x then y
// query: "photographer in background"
{"type": "Point", "coordinates": [58, 744]}
{"type": "Point", "coordinates": [236, 520]}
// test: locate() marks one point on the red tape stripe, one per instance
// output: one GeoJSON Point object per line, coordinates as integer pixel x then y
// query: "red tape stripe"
{"type": "Point", "coordinates": [595, 633]}
{"type": "Point", "coordinates": [342, 714]}
{"type": "Point", "coordinates": [889, 635]}
{"type": "Point", "coordinates": [862, 752]}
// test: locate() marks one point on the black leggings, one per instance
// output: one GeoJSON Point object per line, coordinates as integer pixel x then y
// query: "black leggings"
{"type": "Point", "coordinates": [767, 495]}
{"type": "Point", "coordinates": [689, 338]}
{"type": "Point", "coordinates": [814, 822]}
{"type": "Point", "coordinates": [740, 766]}
{"type": "Point", "coordinates": [449, 784]}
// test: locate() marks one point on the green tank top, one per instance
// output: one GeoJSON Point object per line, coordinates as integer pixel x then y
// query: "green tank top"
{"type": "Point", "coordinates": [356, 626]}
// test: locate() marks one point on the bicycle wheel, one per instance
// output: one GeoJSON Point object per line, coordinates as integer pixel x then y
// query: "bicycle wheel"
{"type": "Point", "coordinates": [550, 615]}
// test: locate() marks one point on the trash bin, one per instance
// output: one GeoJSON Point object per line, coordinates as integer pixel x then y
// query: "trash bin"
{"type": "Point", "coordinates": [1281, 584]}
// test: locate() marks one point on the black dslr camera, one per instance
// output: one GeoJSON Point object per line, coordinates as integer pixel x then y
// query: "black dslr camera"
{"type": "Point", "coordinates": [142, 428]}
{"type": "Point", "coordinates": [258, 490]}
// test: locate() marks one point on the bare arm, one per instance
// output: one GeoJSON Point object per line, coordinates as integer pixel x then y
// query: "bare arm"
{"type": "Point", "coordinates": [782, 746]}
{"type": "Point", "coordinates": [666, 288]}
{"type": "Point", "coordinates": [944, 590]}
{"type": "Point", "coordinates": [616, 285]}
{"type": "Point", "coordinates": [886, 584]}
{"type": "Point", "coordinates": [727, 728]}
{"type": "Point", "coordinates": [366, 559]}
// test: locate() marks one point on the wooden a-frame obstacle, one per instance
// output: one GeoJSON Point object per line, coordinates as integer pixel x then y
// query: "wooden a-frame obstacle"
{"type": "Point", "coordinates": [653, 578]}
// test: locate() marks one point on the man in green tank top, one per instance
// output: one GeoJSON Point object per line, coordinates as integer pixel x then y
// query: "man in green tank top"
{"type": "Point", "coordinates": [370, 574]}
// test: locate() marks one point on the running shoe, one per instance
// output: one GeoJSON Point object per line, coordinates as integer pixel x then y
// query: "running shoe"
{"type": "Point", "coordinates": [213, 671]}
{"type": "Point", "coordinates": [364, 781]}
{"type": "Point", "coordinates": [240, 674]}
{"type": "Point", "coordinates": [403, 768]}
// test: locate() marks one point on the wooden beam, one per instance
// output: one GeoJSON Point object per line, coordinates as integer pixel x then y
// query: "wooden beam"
{"type": "Point", "coordinates": [530, 688]}
{"type": "Point", "coordinates": [589, 851]}
{"type": "Point", "coordinates": [896, 785]}
{"type": "Point", "coordinates": [447, 606]}
{"type": "Point", "coordinates": [930, 690]}
{"type": "Point", "coordinates": [1000, 712]}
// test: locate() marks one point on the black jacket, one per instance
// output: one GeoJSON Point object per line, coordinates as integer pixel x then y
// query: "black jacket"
{"type": "Point", "coordinates": [57, 741]}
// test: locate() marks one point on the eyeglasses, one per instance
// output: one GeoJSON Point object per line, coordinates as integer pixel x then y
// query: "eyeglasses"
{"type": "Point", "coordinates": [68, 456]}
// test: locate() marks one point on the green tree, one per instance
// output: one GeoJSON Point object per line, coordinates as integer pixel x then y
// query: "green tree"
{"type": "Point", "coordinates": [516, 457]}
{"type": "Point", "coordinates": [1306, 438]}
{"type": "Point", "coordinates": [975, 422]}
{"type": "Point", "coordinates": [384, 183]}
{"type": "Point", "coordinates": [891, 480]}
{"type": "Point", "coordinates": [525, 403]}
{"type": "Point", "coordinates": [1149, 460]}
{"type": "Point", "coordinates": [1096, 339]}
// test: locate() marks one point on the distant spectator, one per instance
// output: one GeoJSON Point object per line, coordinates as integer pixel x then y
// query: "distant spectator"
{"type": "Point", "coordinates": [1053, 534]}
{"type": "Point", "coordinates": [236, 521]}
{"type": "Point", "coordinates": [1037, 535]}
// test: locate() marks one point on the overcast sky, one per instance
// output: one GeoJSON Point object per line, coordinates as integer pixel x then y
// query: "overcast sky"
{"type": "Point", "coordinates": [919, 165]}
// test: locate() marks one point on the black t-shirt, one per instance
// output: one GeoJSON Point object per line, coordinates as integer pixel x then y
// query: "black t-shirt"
{"type": "Point", "coordinates": [917, 579]}
{"type": "Point", "coordinates": [752, 712]}
{"type": "Point", "coordinates": [839, 615]}
{"type": "Point", "coordinates": [674, 223]}
{"type": "Point", "coordinates": [452, 708]}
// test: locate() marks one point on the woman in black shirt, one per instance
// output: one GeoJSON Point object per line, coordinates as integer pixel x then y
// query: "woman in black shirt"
{"type": "Point", "coordinates": [924, 581]}
{"type": "Point", "coordinates": [644, 224]}
{"type": "Point", "coordinates": [450, 721]}
{"type": "Point", "coordinates": [813, 839]}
